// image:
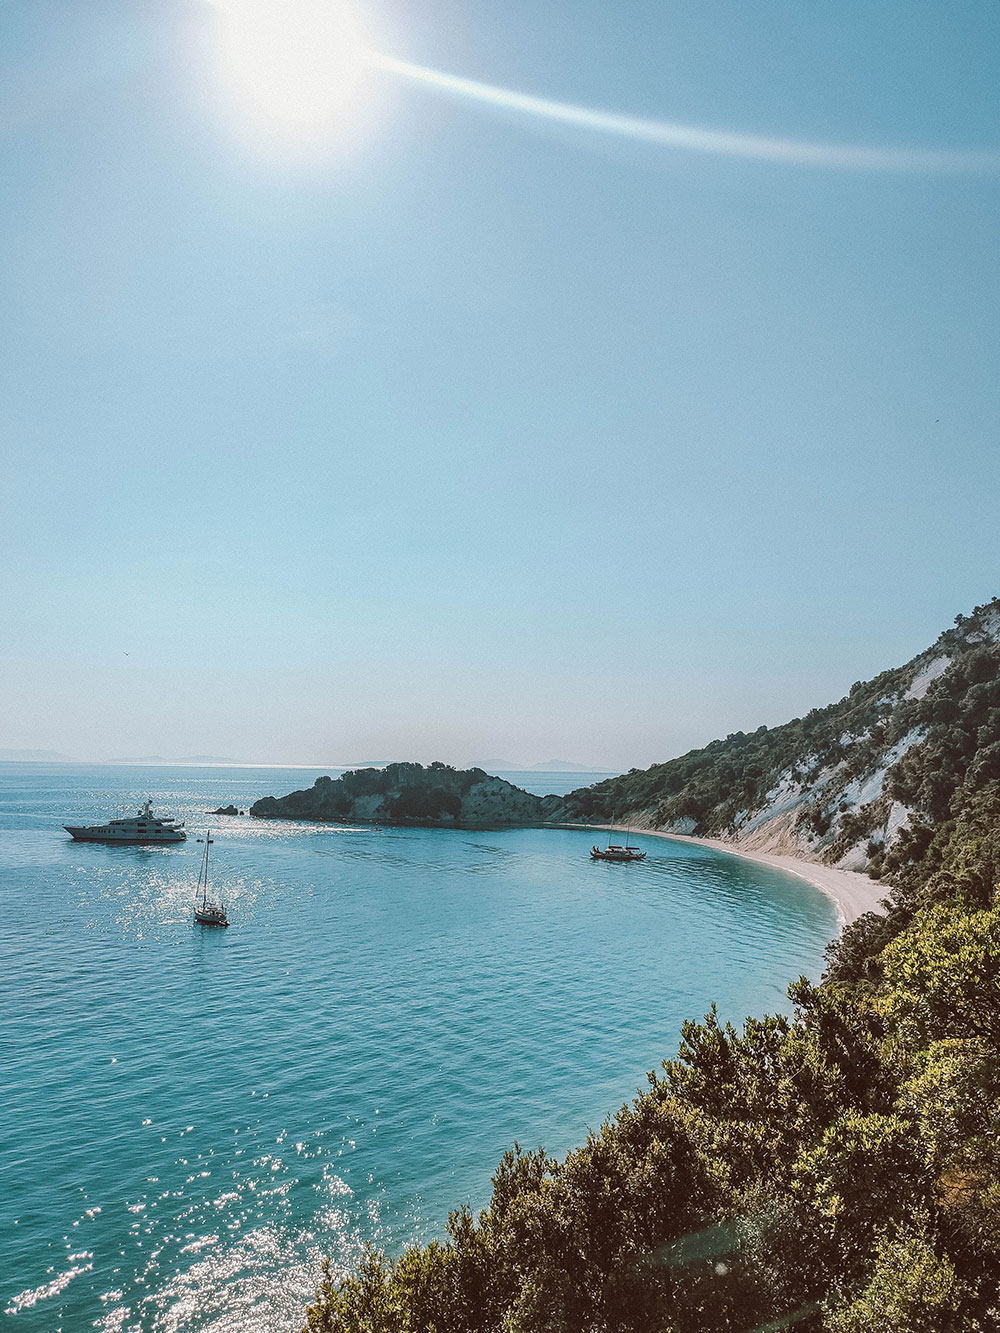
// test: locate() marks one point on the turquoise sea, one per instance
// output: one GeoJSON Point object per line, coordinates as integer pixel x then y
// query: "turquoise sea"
{"type": "Point", "coordinates": [191, 1119]}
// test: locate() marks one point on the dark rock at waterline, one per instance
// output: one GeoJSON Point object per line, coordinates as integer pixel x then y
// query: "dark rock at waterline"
{"type": "Point", "coordinates": [225, 810]}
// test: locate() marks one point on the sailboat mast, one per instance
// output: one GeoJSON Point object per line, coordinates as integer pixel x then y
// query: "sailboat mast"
{"type": "Point", "coordinates": [208, 843]}
{"type": "Point", "coordinates": [203, 872]}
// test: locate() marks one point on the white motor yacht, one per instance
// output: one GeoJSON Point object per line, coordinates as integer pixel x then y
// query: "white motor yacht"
{"type": "Point", "coordinates": [143, 827]}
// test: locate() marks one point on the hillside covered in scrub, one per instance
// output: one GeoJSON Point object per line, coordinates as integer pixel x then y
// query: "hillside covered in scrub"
{"type": "Point", "coordinates": [863, 784]}
{"type": "Point", "coordinates": [410, 794]}
{"type": "Point", "coordinates": [833, 1172]}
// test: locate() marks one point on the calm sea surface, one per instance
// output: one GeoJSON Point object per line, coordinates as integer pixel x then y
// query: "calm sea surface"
{"type": "Point", "coordinates": [191, 1119]}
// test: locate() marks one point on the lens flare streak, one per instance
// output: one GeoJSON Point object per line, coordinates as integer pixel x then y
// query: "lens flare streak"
{"type": "Point", "coordinates": [693, 138]}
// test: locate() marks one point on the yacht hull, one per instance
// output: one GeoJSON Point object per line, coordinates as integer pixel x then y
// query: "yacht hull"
{"type": "Point", "coordinates": [85, 835]}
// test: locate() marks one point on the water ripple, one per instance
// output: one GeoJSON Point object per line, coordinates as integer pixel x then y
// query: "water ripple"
{"type": "Point", "coordinates": [191, 1120]}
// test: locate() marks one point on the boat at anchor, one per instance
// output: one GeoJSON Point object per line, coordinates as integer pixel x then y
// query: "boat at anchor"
{"type": "Point", "coordinates": [207, 911]}
{"type": "Point", "coordinates": [615, 852]}
{"type": "Point", "coordinates": [143, 827]}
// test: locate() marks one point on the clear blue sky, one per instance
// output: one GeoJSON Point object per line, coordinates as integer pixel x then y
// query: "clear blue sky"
{"type": "Point", "coordinates": [449, 431]}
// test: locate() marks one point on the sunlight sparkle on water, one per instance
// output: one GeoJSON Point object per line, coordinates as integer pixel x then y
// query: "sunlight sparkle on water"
{"type": "Point", "coordinates": [205, 1106]}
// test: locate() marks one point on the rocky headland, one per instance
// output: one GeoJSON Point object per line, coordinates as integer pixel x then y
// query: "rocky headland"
{"type": "Point", "coordinates": [865, 784]}
{"type": "Point", "coordinates": [835, 1169]}
{"type": "Point", "coordinates": [411, 794]}
{"type": "Point", "coordinates": [869, 787]}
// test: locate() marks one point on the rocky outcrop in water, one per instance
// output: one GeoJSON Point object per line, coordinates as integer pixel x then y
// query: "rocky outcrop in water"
{"type": "Point", "coordinates": [410, 794]}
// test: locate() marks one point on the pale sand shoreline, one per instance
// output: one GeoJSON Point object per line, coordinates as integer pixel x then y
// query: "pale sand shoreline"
{"type": "Point", "coordinates": [852, 894]}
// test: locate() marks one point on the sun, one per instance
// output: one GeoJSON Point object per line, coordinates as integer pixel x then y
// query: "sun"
{"type": "Point", "coordinates": [292, 73]}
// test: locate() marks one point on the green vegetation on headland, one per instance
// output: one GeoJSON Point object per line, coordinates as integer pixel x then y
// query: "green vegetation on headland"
{"type": "Point", "coordinates": [868, 783]}
{"type": "Point", "coordinates": [835, 1171]}
{"type": "Point", "coordinates": [410, 794]}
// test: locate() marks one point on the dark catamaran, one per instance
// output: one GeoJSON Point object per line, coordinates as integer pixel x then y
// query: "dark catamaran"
{"type": "Point", "coordinates": [615, 852]}
{"type": "Point", "coordinates": [207, 911]}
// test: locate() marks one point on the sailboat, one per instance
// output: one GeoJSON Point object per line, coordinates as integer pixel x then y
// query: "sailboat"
{"type": "Point", "coordinates": [208, 911]}
{"type": "Point", "coordinates": [615, 852]}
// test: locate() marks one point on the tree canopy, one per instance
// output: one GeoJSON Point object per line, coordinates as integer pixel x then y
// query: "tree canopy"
{"type": "Point", "coordinates": [836, 1170]}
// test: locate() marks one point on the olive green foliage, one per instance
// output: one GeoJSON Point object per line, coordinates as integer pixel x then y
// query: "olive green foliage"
{"type": "Point", "coordinates": [912, 1290]}
{"type": "Point", "coordinates": [834, 1170]}
{"type": "Point", "coordinates": [715, 785]}
{"type": "Point", "coordinates": [422, 802]}
{"type": "Point", "coordinates": [837, 1170]}
{"type": "Point", "coordinates": [408, 791]}
{"type": "Point", "coordinates": [957, 724]}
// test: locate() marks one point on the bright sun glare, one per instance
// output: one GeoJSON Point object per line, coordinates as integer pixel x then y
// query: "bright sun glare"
{"type": "Point", "coordinates": [297, 78]}
{"type": "Point", "coordinates": [292, 71]}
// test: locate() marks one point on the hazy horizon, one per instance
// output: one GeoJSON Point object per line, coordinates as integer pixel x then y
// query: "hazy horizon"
{"type": "Point", "coordinates": [221, 761]}
{"type": "Point", "coordinates": [589, 381]}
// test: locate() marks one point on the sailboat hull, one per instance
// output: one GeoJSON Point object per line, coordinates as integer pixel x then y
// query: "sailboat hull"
{"type": "Point", "coordinates": [210, 918]}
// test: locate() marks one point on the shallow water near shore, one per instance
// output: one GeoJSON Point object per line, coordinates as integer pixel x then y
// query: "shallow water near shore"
{"type": "Point", "coordinates": [191, 1119]}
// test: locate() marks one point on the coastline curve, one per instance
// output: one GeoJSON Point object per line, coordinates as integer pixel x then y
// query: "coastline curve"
{"type": "Point", "coordinates": [851, 893]}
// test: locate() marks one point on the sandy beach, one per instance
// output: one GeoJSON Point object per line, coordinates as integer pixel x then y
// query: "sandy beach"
{"type": "Point", "coordinates": [852, 894]}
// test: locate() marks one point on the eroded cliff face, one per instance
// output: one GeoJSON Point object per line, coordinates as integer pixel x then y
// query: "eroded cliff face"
{"type": "Point", "coordinates": [847, 785]}
{"type": "Point", "coordinates": [410, 794]}
{"type": "Point", "coordinates": [863, 784]}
